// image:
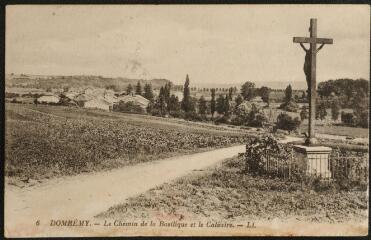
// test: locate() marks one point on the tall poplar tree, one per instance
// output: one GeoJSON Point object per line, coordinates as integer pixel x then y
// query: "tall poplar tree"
{"type": "Point", "coordinates": [138, 89]}
{"type": "Point", "coordinates": [186, 102]}
{"type": "Point", "coordinates": [212, 102]}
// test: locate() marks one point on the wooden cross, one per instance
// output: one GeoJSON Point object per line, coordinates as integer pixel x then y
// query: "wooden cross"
{"type": "Point", "coordinates": [310, 71]}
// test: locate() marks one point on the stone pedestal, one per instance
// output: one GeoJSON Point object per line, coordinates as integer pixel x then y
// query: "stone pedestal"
{"type": "Point", "coordinates": [315, 158]}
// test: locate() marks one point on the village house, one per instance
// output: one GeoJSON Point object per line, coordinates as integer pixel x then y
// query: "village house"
{"type": "Point", "coordinates": [136, 99]}
{"type": "Point", "coordinates": [25, 100]}
{"type": "Point", "coordinates": [97, 103]}
{"type": "Point", "coordinates": [71, 95]}
{"type": "Point", "coordinates": [48, 99]}
{"type": "Point", "coordinates": [110, 97]}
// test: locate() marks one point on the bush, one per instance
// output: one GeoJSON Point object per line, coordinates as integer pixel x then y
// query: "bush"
{"type": "Point", "coordinates": [347, 118]}
{"type": "Point", "coordinates": [193, 116]}
{"type": "Point", "coordinates": [290, 106]}
{"type": "Point", "coordinates": [258, 120]}
{"type": "Point", "coordinates": [248, 115]}
{"type": "Point", "coordinates": [257, 149]}
{"type": "Point", "coordinates": [222, 119]}
{"type": "Point", "coordinates": [238, 121]}
{"type": "Point", "coordinates": [285, 122]}
{"type": "Point", "coordinates": [321, 186]}
{"type": "Point", "coordinates": [362, 119]}
{"type": "Point", "coordinates": [177, 114]}
{"type": "Point", "coordinates": [129, 107]}
{"type": "Point", "coordinates": [11, 95]}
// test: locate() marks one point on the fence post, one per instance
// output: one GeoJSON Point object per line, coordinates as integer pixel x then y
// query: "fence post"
{"type": "Point", "coordinates": [246, 159]}
{"type": "Point", "coordinates": [337, 165]}
{"type": "Point", "coordinates": [267, 159]}
{"type": "Point", "coordinates": [290, 162]}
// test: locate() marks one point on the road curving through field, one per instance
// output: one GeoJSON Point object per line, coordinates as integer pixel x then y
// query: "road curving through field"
{"type": "Point", "coordinates": [29, 211]}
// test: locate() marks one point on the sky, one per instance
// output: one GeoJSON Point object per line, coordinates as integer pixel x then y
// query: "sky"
{"type": "Point", "coordinates": [219, 44]}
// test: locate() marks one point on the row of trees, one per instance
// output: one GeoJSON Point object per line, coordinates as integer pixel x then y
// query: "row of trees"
{"type": "Point", "coordinates": [249, 91]}
{"type": "Point", "coordinates": [227, 106]}
{"type": "Point", "coordinates": [230, 109]}
{"type": "Point", "coordinates": [345, 87]}
{"type": "Point", "coordinates": [196, 89]}
{"type": "Point", "coordinates": [357, 118]}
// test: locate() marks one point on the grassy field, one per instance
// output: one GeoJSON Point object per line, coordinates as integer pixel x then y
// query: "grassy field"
{"type": "Point", "coordinates": [338, 130]}
{"type": "Point", "coordinates": [226, 193]}
{"type": "Point", "coordinates": [45, 141]}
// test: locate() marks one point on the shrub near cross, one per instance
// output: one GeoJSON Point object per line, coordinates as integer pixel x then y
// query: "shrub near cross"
{"type": "Point", "coordinates": [262, 152]}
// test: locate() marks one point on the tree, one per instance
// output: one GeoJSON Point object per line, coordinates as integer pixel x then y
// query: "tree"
{"type": "Point", "coordinates": [345, 89]}
{"type": "Point", "coordinates": [173, 104]}
{"type": "Point", "coordinates": [288, 93]}
{"type": "Point", "coordinates": [129, 89]}
{"type": "Point", "coordinates": [304, 113]}
{"type": "Point", "coordinates": [335, 110]}
{"type": "Point", "coordinates": [238, 100]}
{"type": "Point", "coordinates": [226, 106]}
{"type": "Point", "coordinates": [138, 89]}
{"type": "Point", "coordinates": [361, 110]}
{"type": "Point", "coordinates": [248, 90]}
{"type": "Point", "coordinates": [325, 89]}
{"type": "Point", "coordinates": [230, 93]}
{"type": "Point", "coordinates": [148, 94]}
{"type": "Point", "coordinates": [285, 122]}
{"type": "Point", "coordinates": [212, 102]}
{"type": "Point", "coordinates": [321, 112]}
{"type": "Point", "coordinates": [202, 106]}
{"type": "Point", "coordinates": [362, 119]}
{"type": "Point", "coordinates": [112, 87]}
{"type": "Point", "coordinates": [264, 93]}
{"type": "Point", "coordinates": [160, 104]}
{"type": "Point", "coordinates": [167, 89]}
{"type": "Point", "coordinates": [220, 104]}
{"type": "Point", "coordinates": [186, 102]}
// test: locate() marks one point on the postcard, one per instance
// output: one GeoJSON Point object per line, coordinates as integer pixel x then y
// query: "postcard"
{"type": "Point", "coordinates": [186, 120]}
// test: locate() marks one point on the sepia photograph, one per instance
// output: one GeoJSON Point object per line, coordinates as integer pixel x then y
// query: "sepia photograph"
{"type": "Point", "coordinates": [186, 120]}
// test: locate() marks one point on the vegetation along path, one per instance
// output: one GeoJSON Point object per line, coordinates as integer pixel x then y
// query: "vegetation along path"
{"type": "Point", "coordinates": [89, 194]}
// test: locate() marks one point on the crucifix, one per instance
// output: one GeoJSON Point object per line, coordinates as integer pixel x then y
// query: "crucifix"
{"type": "Point", "coordinates": [310, 72]}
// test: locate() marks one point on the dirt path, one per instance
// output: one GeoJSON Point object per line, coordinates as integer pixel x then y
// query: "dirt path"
{"type": "Point", "coordinates": [87, 195]}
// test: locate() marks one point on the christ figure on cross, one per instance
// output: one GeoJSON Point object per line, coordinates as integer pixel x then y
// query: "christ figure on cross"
{"type": "Point", "coordinates": [310, 72]}
{"type": "Point", "coordinates": [307, 65]}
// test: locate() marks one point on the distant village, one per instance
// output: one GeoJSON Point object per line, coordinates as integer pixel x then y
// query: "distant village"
{"type": "Point", "coordinates": [141, 97]}
{"type": "Point", "coordinates": [94, 98]}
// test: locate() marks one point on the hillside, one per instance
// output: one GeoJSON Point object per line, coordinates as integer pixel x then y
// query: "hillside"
{"type": "Point", "coordinates": [77, 140]}
{"type": "Point", "coordinates": [44, 82]}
